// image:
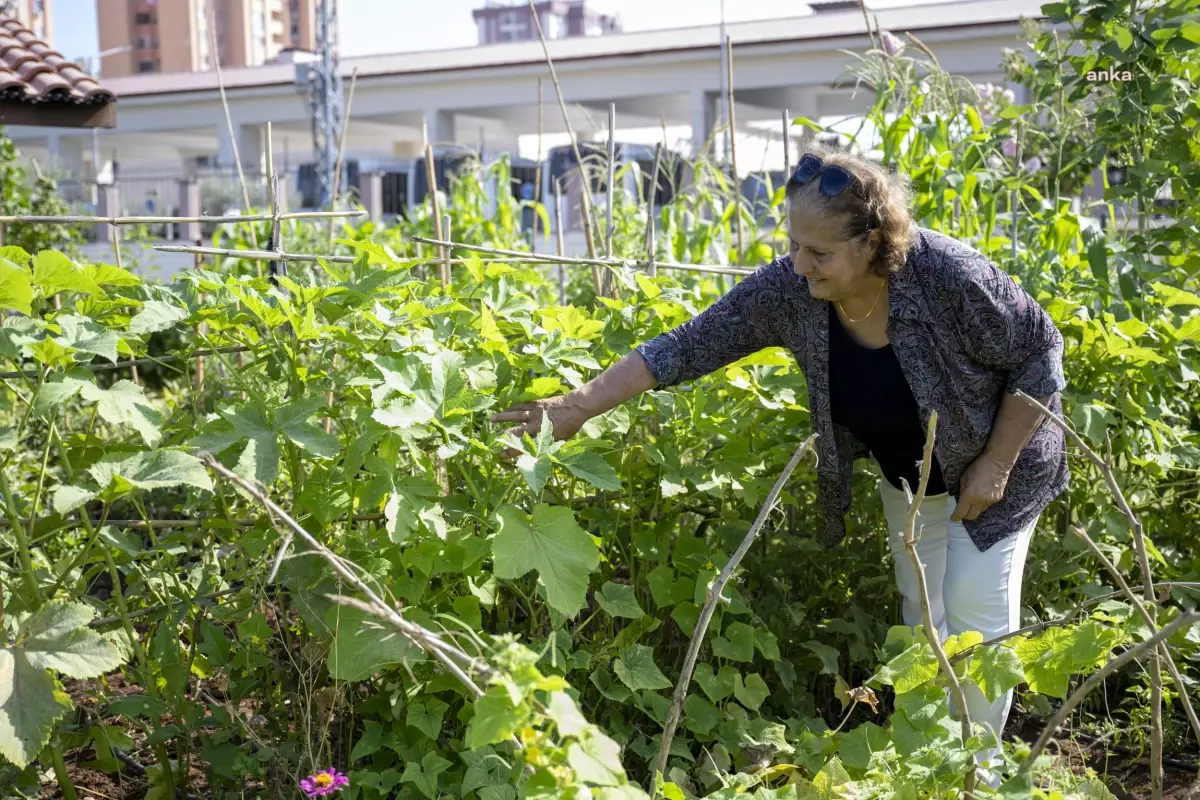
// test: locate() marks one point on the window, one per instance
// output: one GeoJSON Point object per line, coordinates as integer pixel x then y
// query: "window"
{"type": "Point", "coordinates": [147, 43]}
{"type": "Point", "coordinates": [147, 66]}
{"type": "Point", "coordinates": [513, 26]}
{"type": "Point", "coordinates": [145, 18]}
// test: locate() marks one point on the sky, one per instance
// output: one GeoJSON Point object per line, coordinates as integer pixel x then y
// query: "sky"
{"type": "Point", "coordinates": [394, 26]}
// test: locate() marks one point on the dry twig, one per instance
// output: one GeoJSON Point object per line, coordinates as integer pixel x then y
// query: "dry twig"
{"type": "Point", "coordinates": [1139, 543]}
{"type": "Point", "coordinates": [710, 605]}
{"type": "Point", "coordinates": [931, 632]}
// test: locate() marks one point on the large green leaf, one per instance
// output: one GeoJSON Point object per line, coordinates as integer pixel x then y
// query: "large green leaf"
{"type": "Point", "coordinates": [16, 292]}
{"type": "Point", "coordinates": [552, 543]}
{"type": "Point", "coordinates": [57, 637]}
{"type": "Point", "coordinates": [30, 702]}
{"type": "Point", "coordinates": [496, 718]}
{"type": "Point", "coordinates": [156, 316]}
{"type": "Point", "coordinates": [637, 670]}
{"type": "Point", "coordinates": [361, 645]}
{"type": "Point", "coordinates": [619, 600]}
{"type": "Point", "coordinates": [125, 403]}
{"type": "Point", "coordinates": [996, 670]}
{"type": "Point", "coordinates": [53, 272]}
{"type": "Point", "coordinates": [424, 774]}
{"type": "Point", "coordinates": [161, 469]}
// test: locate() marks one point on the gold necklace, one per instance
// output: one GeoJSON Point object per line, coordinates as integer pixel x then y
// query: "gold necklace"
{"type": "Point", "coordinates": [882, 286]}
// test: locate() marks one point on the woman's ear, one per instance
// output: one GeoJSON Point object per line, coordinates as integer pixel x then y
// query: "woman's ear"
{"type": "Point", "coordinates": [874, 241]}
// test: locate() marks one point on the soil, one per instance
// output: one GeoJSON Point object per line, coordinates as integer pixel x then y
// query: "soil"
{"type": "Point", "coordinates": [1127, 775]}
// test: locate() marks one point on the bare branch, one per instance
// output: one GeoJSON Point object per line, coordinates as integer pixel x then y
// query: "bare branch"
{"type": "Point", "coordinates": [710, 605]}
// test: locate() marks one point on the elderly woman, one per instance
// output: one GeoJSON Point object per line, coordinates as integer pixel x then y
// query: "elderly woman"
{"type": "Point", "coordinates": [889, 323]}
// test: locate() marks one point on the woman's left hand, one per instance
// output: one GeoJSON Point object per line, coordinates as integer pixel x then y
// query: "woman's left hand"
{"type": "Point", "coordinates": [980, 487]}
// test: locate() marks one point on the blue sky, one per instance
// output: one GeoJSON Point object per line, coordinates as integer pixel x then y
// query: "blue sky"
{"type": "Point", "coordinates": [393, 26]}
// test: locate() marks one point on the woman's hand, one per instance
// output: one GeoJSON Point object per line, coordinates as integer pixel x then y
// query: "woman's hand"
{"type": "Point", "coordinates": [980, 487]}
{"type": "Point", "coordinates": [566, 416]}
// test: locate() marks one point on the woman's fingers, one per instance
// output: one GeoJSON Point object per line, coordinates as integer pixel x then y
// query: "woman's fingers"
{"type": "Point", "coordinates": [518, 413]}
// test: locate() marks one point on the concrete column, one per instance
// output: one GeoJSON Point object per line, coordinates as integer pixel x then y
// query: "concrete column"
{"type": "Point", "coordinates": [371, 195]}
{"type": "Point", "coordinates": [189, 206]}
{"type": "Point", "coordinates": [704, 120]}
{"type": "Point", "coordinates": [110, 206]}
{"type": "Point", "coordinates": [441, 127]}
{"type": "Point", "coordinates": [283, 187]}
{"type": "Point", "coordinates": [251, 147]}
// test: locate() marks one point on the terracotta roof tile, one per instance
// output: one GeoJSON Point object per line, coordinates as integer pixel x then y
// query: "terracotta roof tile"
{"type": "Point", "coordinates": [33, 71]}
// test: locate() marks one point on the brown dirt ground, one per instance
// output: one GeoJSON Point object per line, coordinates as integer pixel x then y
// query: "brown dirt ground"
{"type": "Point", "coordinates": [1127, 776]}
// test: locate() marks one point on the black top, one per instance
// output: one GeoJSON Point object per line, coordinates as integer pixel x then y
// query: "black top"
{"type": "Point", "coordinates": [870, 396]}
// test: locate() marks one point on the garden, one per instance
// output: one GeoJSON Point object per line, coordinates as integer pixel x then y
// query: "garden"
{"type": "Point", "coordinates": [259, 538]}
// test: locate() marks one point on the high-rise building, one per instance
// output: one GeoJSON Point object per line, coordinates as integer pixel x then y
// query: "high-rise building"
{"type": "Point", "coordinates": [33, 14]}
{"type": "Point", "coordinates": [512, 20]}
{"type": "Point", "coordinates": [176, 35]}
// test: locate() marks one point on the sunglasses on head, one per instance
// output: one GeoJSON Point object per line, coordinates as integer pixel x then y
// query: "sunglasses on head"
{"type": "Point", "coordinates": [834, 179]}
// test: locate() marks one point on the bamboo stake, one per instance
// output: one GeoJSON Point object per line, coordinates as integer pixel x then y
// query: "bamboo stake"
{"type": "Point", "coordinates": [431, 182]}
{"type": "Point", "coordinates": [446, 254]}
{"type": "Point", "coordinates": [132, 363]}
{"type": "Point", "coordinates": [612, 177]}
{"type": "Point", "coordinates": [716, 270]}
{"type": "Point", "coordinates": [252, 255]}
{"type": "Point", "coordinates": [337, 172]}
{"type": "Point", "coordinates": [537, 180]}
{"type": "Point", "coordinates": [78, 220]}
{"type": "Point", "coordinates": [931, 633]}
{"type": "Point", "coordinates": [787, 145]}
{"type": "Point", "coordinates": [233, 142]}
{"type": "Point", "coordinates": [737, 184]}
{"type": "Point", "coordinates": [710, 605]}
{"type": "Point", "coordinates": [274, 242]}
{"type": "Point", "coordinates": [561, 243]}
{"type": "Point", "coordinates": [651, 245]}
{"type": "Point", "coordinates": [586, 199]}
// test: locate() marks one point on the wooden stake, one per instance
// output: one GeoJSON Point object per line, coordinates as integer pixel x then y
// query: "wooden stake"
{"type": "Point", "coordinates": [586, 198]}
{"type": "Point", "coordinates": [537, 180]}
{"type": "Point", "coordinates": [737, 184]}
{"type": "Point", "coordinates": [787, 146]}
{"type": "Point", "coordinates": [558, 235]}
{"type": "Point", "coordinates": [446, 254]}
{"type": "Point", "coordinates": [431, 181]}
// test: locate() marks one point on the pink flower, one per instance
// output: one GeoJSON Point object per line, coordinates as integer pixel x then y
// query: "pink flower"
{"type": "Point", "coordinates": [1009, 148]}
{"type": "Point", "coordinates": [324, 783]}
{"type": "Point", "coordinates": [891, 43]}
{"type": "Point", "coordinates": [1032, 165]}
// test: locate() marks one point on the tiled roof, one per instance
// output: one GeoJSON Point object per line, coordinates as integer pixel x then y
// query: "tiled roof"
{"type": "Point", "coordinates": [34, 72]}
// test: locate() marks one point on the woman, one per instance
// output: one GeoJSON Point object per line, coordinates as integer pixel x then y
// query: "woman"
{"type": "Point", "coordinates": [889, 323]}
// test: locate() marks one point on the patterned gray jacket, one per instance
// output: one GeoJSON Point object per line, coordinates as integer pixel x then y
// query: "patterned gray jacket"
{"type": "Point", "coordinates": [964, 332]}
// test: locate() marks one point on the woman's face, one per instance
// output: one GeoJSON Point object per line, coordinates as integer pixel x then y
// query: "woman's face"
{"type": "Point", "coordinates": [836, 269]}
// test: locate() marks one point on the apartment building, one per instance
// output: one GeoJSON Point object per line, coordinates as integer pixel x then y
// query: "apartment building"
{"type": "Point", "coordinates": [513, 21]}
{"type": "Point", "coordinates": [176, 35]}
{"type": "Point", "coordinates": [33, 14]}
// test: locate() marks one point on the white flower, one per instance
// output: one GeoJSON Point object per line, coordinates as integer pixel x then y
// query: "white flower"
{"type": "Point", "coordinates": [1032, 165]}
{"type": "Point", "coordinates": [891, 43]}
{"type": "Point", "coordinates": [995, 162]}
{"type": "Point", "coordinates": [1009, 96]}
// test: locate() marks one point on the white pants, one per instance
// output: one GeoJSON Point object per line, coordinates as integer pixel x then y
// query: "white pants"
{"type": "Point", "coordinates": [968, 590]}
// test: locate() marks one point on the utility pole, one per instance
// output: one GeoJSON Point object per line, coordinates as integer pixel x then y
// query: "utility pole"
{"type": "Point", "coordinates": [324, 84]}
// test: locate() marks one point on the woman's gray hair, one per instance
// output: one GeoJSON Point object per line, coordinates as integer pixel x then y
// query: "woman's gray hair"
{"type": "Point", "coordinates": [879, 200]}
